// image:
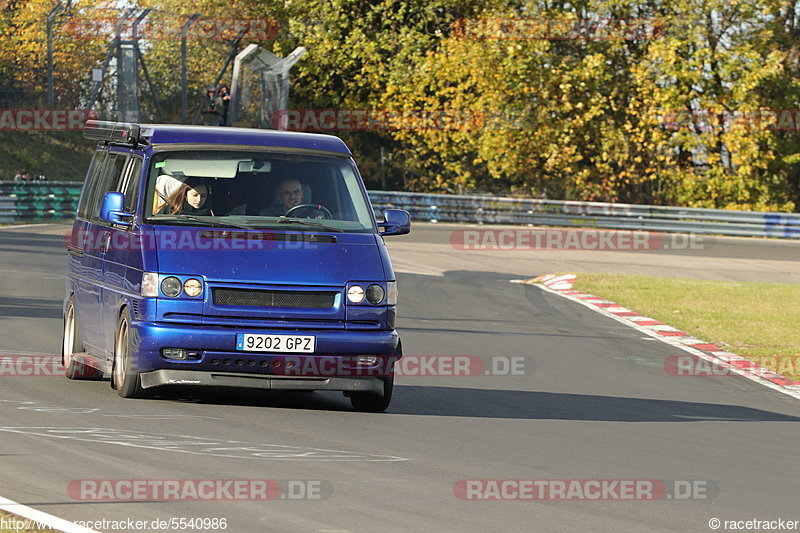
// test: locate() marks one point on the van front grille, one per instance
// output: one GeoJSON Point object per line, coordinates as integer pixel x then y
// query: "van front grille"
{"type": "Point", "coordinates": [271, 298]}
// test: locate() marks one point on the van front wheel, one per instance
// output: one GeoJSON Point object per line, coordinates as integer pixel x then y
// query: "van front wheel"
{"type": "Point", "coordinates": [371, 402]}
{"type": "Point", "coordinates": [125, 377]}
{"type": "Point", "coordinates": [376, 403]}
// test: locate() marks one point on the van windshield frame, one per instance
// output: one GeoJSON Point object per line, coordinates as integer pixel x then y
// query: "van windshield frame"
{"type": "Point", "coordinates": [250, 188]}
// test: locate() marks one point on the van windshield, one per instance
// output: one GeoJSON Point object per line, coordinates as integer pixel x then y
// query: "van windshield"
{"type": "Point", "coordinates": [250, 189]}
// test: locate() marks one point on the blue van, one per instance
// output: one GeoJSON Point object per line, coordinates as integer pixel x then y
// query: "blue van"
{"type": "Point", "coordinates": [229, 257]}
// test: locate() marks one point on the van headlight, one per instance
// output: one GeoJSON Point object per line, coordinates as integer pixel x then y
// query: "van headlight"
{"type": "Point", "coordinates": [171, 287]}
{"type": "Point", "coordinates": [375, 294]}
{"type": "Point", "coordinates": [193, 287]}
{"type": "Point", "coordinates": [355, 294]}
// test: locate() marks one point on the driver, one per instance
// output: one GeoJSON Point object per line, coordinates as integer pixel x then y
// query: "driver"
{"type": "Point", "coordinates": [290, 192]}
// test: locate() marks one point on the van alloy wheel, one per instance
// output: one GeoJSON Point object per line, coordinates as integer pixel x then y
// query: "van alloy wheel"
{"type": "Point", "coordinates": [126, 378]}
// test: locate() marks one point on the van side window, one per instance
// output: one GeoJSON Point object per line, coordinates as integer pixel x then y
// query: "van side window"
{"type": "Point", "coordinates": [107, 181]}
{"type": "Point", "coordinates": [95, 169]}
{"type": "Point", "coordinates": [129, 184]}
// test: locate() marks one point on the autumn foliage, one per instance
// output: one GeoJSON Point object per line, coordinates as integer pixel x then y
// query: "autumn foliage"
{"type": "Point", "coordinates": [677, 102]}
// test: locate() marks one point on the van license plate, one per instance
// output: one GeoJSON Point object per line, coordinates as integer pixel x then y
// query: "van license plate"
{"type": "Point", "coordinates": [252, 342]}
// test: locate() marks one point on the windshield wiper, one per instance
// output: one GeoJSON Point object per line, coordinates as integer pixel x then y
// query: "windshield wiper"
{"type": "Point", "coordinates": [211, 220]}
{"type": "Point", "coordinates": [284, 220]}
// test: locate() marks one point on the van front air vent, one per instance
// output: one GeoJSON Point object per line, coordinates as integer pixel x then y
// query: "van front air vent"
{"type": "Point", "coordinates": [271, 298]}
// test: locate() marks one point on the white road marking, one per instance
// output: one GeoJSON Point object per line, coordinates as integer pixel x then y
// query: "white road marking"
{"type": "Point", "coordinates": [199, 445]}
{"type": "Point", "coordinates": [47, 520]}
{"type": "Point", "coordinates": [166, 417]}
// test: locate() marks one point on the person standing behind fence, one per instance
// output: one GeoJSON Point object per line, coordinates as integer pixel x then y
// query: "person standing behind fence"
{"type": "Point", "coordinates": [22, 175]}
{"type": "Point", "coordinates": [225, 95]}
{"type": "Point", "coordinates": [213, 108]}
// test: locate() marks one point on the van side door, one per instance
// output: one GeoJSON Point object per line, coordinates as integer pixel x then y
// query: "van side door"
{"type": "Point", "coordinates": [122, 252]}
{"type": "Point", "coordinates": [96, 243]}
{"type": "Point", "coordinates": [78, 242]}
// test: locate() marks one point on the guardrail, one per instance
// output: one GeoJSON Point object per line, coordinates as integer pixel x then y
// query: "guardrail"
{"type": "Point", "coordinates": [498, 210]}
{"type": "Point", "coordinates": [51, 201]}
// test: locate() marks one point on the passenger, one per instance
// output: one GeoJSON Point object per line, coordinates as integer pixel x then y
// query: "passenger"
{"type": "Point", "coordinates": [166, 186]}
{"type": "Point", "coordinates": [189, 199]}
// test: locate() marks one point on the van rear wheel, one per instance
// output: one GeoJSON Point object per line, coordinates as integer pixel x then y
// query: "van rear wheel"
{"type": "Point", "coordinates": [125, 378]}
{"type": "Point", "coordinates": [71, 345]}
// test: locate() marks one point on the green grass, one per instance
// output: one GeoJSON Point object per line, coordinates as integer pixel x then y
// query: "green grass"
{"type": "Point", "coordinates": [61, 156]}
{"type": "Point", "coordinates": [747, 318]}
{"type": "Point", "coordinates": [6, 518]}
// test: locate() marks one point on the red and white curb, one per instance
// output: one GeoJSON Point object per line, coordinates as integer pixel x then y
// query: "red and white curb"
{"type": "Point", "coordinates": [562, 286]}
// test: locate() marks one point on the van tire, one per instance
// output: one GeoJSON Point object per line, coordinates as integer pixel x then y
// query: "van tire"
{"type": "Point", "coordinates": [373, 403]}
{"type": "Point", "coordinates": [376, 403]}
{"type": "Point", "coordinates": [71, 344]}
{"type": "Point", "coordinates": [124, 376]}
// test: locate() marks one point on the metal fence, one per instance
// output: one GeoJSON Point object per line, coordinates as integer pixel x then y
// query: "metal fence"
{"type": "Point", "coordinates": [496, 210]}
{"type": "Point", "coordinates": [51, 201]}
{"type": "Point", "coordinates": [38, 201]}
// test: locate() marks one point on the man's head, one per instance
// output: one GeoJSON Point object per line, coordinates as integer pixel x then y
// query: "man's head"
{"type": "Point", "coordinates": [212, 91]}
{"type": "Point", "coordinates": [291, 193]}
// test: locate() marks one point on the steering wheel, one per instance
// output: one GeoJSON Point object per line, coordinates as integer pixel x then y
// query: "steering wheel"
{"type": "Point", "coordinates": [317, 211]}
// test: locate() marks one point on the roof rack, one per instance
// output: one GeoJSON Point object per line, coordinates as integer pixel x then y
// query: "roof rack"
{"type": "Point", "coordinates": [113, 132]}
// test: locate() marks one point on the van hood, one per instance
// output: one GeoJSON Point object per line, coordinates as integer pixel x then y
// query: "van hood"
{"type": "Point", "coordinates": [267, 256]}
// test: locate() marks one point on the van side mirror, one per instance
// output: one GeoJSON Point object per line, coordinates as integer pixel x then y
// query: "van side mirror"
{"type": "Point", "coordinates": [111, 210]}
{"type": "Point", "coordinates": [396, 222]}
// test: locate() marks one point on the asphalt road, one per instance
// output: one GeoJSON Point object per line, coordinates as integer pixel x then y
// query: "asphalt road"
{"type": "Point", "coordinates": [593, 403]}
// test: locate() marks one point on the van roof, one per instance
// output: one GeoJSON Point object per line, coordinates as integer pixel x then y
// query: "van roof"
{"type": "Point", "coordinates": [179, 134]}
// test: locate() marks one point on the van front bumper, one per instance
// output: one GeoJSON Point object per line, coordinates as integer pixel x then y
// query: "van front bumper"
{"type": "Point", "coordinates": [259, 381]}
{"type": "Point", "coordinates": [216, 361]}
